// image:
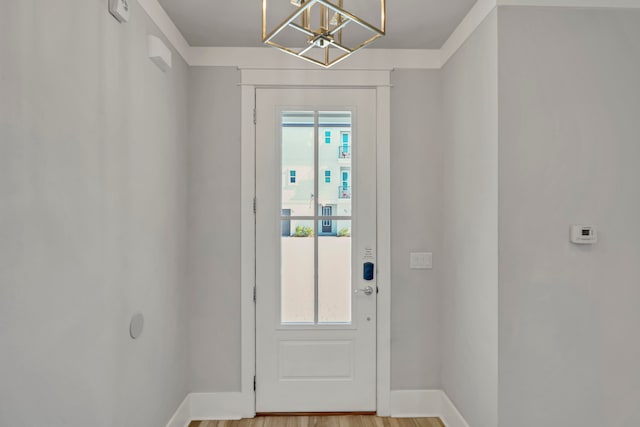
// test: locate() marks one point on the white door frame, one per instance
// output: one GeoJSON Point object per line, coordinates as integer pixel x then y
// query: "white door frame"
{"type": "Point", "coordinates": [379, 80]}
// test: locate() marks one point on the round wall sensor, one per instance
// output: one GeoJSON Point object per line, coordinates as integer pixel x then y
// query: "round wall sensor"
{"type": "Point", "coordinates": [136, 325]}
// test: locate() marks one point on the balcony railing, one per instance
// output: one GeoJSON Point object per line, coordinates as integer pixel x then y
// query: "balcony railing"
{"type": "Point", "coordinates": [344, 152]}
{"type": "Point", "coordinates": [344, 192]}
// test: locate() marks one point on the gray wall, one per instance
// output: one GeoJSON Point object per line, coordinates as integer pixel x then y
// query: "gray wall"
{"type": "Point", "coordinates": [214, 216]}
{"type": "Point", "coordinates": [470, 191]}
{"type": "Point", "coordinates": [569, 154]}
{"type": "Point", "coordinates": [92, 219]}
{"type": "Point", "coordinates": [416, 158]}
{"type": "Point", "coordinates": [214, 228]}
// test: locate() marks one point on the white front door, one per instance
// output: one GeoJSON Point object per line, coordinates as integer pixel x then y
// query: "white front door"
{"type": "Point", "coordinates": [315, 250]}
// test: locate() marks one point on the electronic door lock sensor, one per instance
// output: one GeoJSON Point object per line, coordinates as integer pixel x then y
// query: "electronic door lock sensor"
{"type": "Point", "coordinates": [367, 273]}
{"type": "Point", "coordinates": [584, 234]}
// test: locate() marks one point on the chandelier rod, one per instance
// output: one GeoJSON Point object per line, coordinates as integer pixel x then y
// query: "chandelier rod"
{"type": "Point", "coordinates": [286, 22]}
{"type": "Point", "coordinates": [351, 16]}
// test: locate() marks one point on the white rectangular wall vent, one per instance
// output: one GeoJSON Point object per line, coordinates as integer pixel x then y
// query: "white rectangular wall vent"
{"type": "Point", "coordinates": [159, 53]}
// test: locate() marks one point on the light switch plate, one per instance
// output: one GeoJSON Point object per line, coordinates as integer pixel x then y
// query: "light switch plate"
{"type": "Point", "coordinates": [120, 10]}
{"type": "Point", "coordinates": [420, 260]}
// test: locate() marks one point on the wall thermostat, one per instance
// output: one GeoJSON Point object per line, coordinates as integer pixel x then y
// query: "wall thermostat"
{"type": "Point", "coordinates": [584, 234]}
{"type": "Point", "coordinates": [120, 9]}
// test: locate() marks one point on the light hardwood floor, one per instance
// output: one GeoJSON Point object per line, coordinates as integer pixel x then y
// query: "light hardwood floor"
{"type": "Point", "coordinates": [324, 421]}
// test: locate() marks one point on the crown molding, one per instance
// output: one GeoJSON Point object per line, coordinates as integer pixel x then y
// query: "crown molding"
{"type": "Point", "coordinates": [166, 25]}
{"type": "Point", "coordinates": [467, 26]}
{"type": "Point", "coordinates": [315, 78]}
{"type": "Point", "coordinates": [267, 57]}
{"type": "Point", "coordinates": [604, 4]}
{"type": "Point", "coordinates": [365, 59]}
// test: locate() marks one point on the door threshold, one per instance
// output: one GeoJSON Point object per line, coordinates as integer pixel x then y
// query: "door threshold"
{"type": "Point", "coordinates": [311, 414]}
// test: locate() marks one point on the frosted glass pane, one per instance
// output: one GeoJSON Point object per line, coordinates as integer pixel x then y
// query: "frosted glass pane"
{"type": "Point", "coordinates": [297, 272]}
{"type": "Point", "coordinates": [334, 274]}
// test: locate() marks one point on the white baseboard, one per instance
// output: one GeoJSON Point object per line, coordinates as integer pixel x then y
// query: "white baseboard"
{"type": "Point", "coordinates": [182, 416]}
{"type": "Point", "coordinates": [451, 417]}
{"type": "Point", "coordinates": [217, 406]}
{"type": "Point", "coordinates": [426, 403]}
{"type": "Point", "coordinates": [233, 406]}
{"type": "Point", "coordinates": [210, 406]}
{"type": "Point", "coordinates": [416, 403]}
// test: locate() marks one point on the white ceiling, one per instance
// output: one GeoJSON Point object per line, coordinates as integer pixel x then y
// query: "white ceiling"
{"type": "Point", "coordinates": [411, 24]}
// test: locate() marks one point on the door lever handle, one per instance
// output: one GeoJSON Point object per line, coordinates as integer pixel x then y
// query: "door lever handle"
{"type": "Point", "coordinates": [366, 290]}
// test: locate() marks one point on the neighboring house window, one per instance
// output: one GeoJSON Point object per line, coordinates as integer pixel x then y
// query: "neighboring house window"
{"type": "Point", "coordinates": [344, 148]}
{"type": "Point", "coordinates": [292, 176]}
{"type": "Point", "coordinates": [327, 137]}
{"type": "Point", "coordinates": [327, 177]}
{"type": "Point", "coordinates": [344, 190]}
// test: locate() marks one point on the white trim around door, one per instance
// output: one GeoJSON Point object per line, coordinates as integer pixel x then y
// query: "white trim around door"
{"type": "Point", "coordinates": [379, 80]}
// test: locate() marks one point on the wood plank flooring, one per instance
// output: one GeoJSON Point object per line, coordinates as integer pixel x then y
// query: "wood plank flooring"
{"type": "Point", "coordinates": [324, 421]}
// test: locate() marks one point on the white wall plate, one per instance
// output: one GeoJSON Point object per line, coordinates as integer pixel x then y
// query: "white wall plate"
{"type": "Point", "coordinates": [420, 260]}
{"type": "Point", "coordinates": [120, 10]}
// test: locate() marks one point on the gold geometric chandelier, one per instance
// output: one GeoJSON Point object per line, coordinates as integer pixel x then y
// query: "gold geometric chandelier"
{"type": "Point", "coordinates": [321, 31]}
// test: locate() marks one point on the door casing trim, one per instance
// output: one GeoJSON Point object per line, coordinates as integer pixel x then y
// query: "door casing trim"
{"type": "Point", "coordinates": [380, 81]}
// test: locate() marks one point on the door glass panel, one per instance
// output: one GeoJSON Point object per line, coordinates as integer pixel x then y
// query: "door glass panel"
{"type": "Point", "coordinates": [298, 162]}
{"type": "Point", "coordinates": [334, 274]}
{"type": "Point", "coordinates": [316, 231]}
{"type": "Point", "coordinates": [334, 157]}
{"type": "Point", "coordinates": [297, 272]}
